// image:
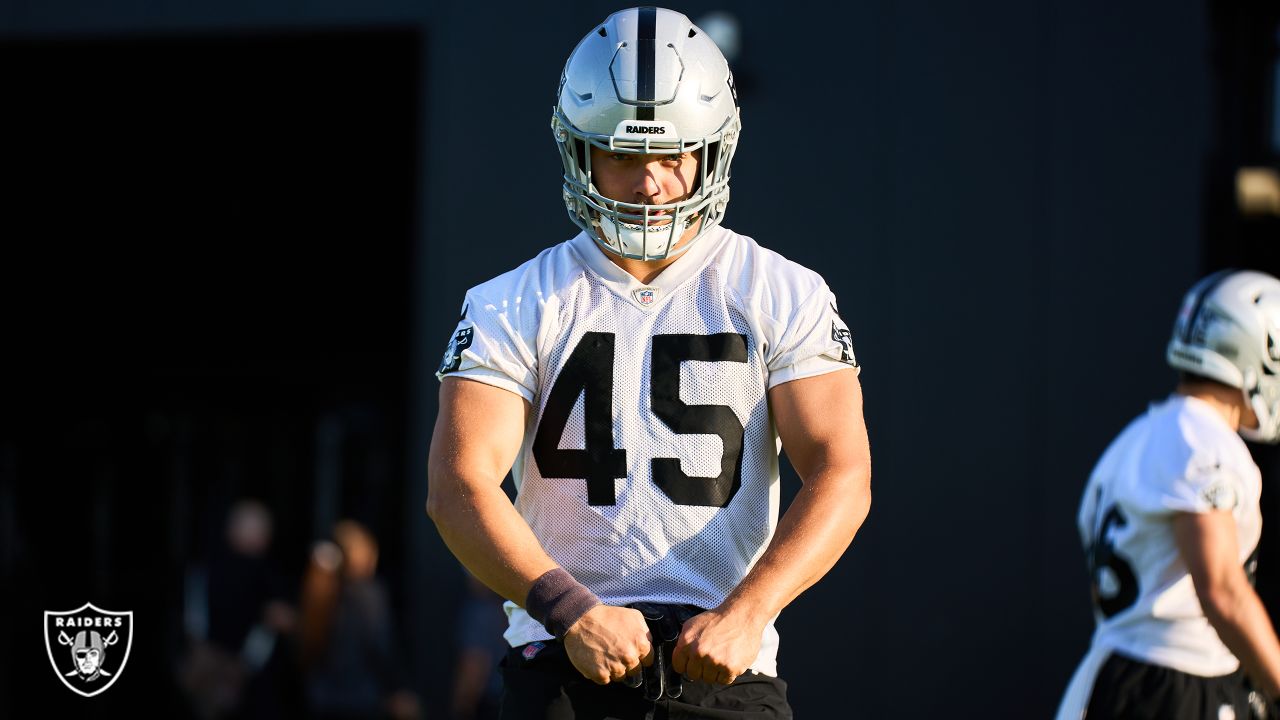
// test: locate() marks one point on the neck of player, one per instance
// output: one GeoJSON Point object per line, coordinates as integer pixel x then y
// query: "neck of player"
{"type": "Point", "coordinates": [1227, 401]}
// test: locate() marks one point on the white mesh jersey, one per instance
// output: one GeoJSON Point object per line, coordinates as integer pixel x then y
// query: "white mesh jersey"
{"type": "Point", "coordinates": [649, 469]}
{"type": "Point", "coordinates": [1181, 456]}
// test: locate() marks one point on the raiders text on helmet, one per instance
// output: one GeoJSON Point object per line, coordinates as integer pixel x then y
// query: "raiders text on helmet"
{"type": "Point", "coordinates": [646, 81]}
{"type": "Point", "coordinates": [1228, 330]}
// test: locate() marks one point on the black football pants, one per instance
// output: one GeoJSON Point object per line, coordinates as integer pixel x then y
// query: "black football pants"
{"type": "Point", "coordinates": [1127, 689]}
{"type": "Point", "coordinates": [548, 687]}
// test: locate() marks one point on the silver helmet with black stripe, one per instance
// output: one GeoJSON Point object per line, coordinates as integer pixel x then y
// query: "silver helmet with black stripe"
{"type": "Point", "coordinates": [646, 81]}
{"type": "Point", "coordinates": [1228, 330]}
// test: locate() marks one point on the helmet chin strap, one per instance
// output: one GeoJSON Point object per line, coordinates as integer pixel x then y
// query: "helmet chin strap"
{"type": "Point", "coordinates": [633, 240]}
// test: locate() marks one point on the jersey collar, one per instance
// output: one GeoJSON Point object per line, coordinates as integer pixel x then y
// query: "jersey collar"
{"type": "Point", "coordinates": [690, 263]}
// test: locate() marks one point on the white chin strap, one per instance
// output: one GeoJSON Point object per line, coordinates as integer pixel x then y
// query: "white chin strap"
{"type": "Point", "coordinates": [637, 241]}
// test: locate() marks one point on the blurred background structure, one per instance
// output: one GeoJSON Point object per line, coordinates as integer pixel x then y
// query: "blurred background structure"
{"type": "Point", "coordinates": [236, 236]}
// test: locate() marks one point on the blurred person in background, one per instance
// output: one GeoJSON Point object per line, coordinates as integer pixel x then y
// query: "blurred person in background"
{"type": "Point", "coordinates": [350, 665]}
{"type": "Point", "coordinates": [1170, 522]}
{"type": "Point", "coordinates": [477, 687]}
{"type": "Point", "coordinates": [636, 380]}
{"type": "Point", "coordinates": [237, 614]}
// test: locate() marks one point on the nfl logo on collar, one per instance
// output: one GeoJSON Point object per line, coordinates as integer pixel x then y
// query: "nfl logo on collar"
{"type": "Point", "coordinates": [646, 296]}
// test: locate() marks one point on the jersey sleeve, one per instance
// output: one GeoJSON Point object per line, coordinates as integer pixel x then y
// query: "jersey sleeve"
{"type": "Point", "coordinates": [494, 343]}
{"type": "Point", "coordinates": [1192, 474]}
{"type": "Point", "coordinates": [1203, 486]}
{"type": "Point", "coordinates": [814, 340]}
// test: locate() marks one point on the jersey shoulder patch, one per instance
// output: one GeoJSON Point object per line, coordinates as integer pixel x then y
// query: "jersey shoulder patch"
{"type": "Point", "coordinates": [495, 340]}
{"type": "Point", "coordinates": [1194, 461]}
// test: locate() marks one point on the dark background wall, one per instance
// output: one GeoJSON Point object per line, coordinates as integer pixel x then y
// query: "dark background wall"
{"type": "Point", "coordinates": [236, 236]}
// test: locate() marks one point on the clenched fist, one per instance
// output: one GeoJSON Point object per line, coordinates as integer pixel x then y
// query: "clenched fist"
{"type": "Point", "coordinates": [716, 647]}
{"type": "Point", "coordinates": [609, 643]}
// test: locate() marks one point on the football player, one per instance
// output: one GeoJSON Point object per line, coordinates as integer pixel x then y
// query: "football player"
{"type": "Point", "coordinates": [637, 380]}
{"type": "Point", "coordinates": [1170, 522]}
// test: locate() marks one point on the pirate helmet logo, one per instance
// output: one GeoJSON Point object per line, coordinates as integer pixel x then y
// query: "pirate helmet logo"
{"type": "Point", "coordinates": [88, 647]}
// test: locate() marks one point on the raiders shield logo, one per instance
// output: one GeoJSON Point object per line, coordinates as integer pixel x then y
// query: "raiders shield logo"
{"type": "Point", "coordinates": [453, 354]}
{"type": "Point", "coordinates": [841, 335]}
{"type": "Point", "coordinates": [88, 647]}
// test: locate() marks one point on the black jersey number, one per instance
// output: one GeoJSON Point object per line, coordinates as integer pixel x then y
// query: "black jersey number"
{"type": "Point", "coordinates": [589, 372]}
{"type": "Point", "coordinates": [1122, 592]}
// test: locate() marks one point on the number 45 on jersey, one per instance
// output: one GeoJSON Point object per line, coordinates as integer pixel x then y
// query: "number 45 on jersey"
{"type": "Point", "coordinates": [589, 372]}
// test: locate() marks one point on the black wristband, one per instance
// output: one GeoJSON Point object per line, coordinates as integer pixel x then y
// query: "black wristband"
{"type": "Point", "coordinates": [557, 601]}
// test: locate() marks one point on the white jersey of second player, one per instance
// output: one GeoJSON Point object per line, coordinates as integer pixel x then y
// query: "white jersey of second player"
{"type": "Point", "coordinates": [1181, 456]}
{"type": "Point", "coordinates": [649, 469]}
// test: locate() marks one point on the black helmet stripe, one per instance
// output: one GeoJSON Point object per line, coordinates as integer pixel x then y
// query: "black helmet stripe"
{"type": "Point", "coordinates": [647, 58]}
{"type": "Point", "coordinates": [1211, 283]}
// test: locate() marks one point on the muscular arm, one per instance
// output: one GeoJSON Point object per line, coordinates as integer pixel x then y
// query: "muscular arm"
{"type": "Point", "coordinates": [1207, 543]}
{"type": "Point", "coordinates": [478, 432]}
{"type": "Point", "coordinates": [822, 429]}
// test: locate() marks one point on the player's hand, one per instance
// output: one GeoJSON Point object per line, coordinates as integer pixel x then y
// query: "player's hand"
{"type": "Point", "coordinates": [609, 643]}
{"type": "Point", "coordinates": [716, 647]}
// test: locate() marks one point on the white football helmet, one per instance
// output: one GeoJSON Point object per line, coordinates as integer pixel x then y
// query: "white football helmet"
{"type": "Point", "coordinates": [646, 81]}
{"type": "Point", "coordinates": [1228, 330]}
